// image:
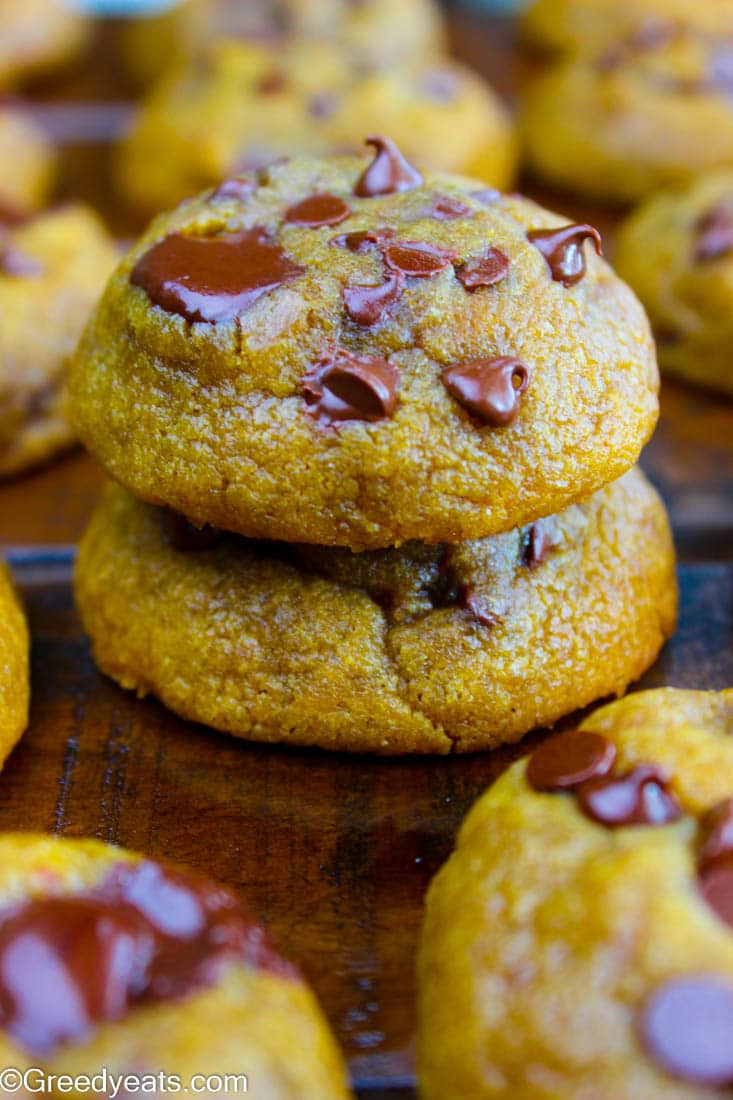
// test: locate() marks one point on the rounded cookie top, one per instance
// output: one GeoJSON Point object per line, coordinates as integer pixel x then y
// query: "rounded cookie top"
{"type": "Point", "coordinates": [676, 251]}
{"type": "Point", "coordinates": [625, 121]}
{"type": "Point", "coordinates": [590, 902]}
{"type": "Point", "coordinates": [14, 674]}
{"type": "Point", "coordinates": [240, 105]}
{"type": "Point", "coordinates": [52, 270]}
{"type": "Point", "coordinates": [347, 352]}
{"type": "Point", "coordinates": [155, 968]}
{"type": "Point", "coordinates": [586, 26]}
{"type": "Point", "coordinates": [431, 648]}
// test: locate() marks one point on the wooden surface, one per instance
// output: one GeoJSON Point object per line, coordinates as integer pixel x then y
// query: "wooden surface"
{"type": "Point", "coordinates": [334, 853]}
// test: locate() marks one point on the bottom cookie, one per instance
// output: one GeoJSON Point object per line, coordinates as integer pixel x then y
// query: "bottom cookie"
{"type": "Point", "coordinates": [578, 943]}
{"type": "Point", "coordinates": [426, 649]}
{"type": "Point", "coordinates": [113, 963]}
{"type": "Point", "coordinates": [14, 685]}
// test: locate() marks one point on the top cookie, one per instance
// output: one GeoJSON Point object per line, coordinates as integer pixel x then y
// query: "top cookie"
{"type": "Point", "coordinates": [342, 352]}
{"type": "Point", "coordinates": [586, 26]}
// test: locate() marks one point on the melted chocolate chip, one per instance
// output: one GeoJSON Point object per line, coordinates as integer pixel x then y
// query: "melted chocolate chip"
{"type": "Point", "coordinates": [213, 279]}
{"type": "Point", "coordinates": [344, 386]}
{"type": "Point", "coordinates": [719, 77]}
{"type": "Point", "coordinates": [17, 264]}
{"type": "Point", "coordinates": [417, 259]}
{"type": "Point", "coordinates": [640, 797]}
{"type": "Point", "coordinates": [239, 188]}
{"type": "Point", "coordinates": [182, 535]}
{"type": "Point", "coordinates": [146, 934]}
{"type": "Point", "coordinates": [568, 759]}
{"type": "Point", "coordinates": [446, 208]}
{"type": "Point", "coordinates": [367, 304]}
{"type": "Point", "coordinates": [322, 105]}
{"type": "Point", "coordinates": [716, 885]}
{"type": "Point", "coordinates": [717, 834]}
{"type": "Point", "coordinates": [388, 173]}
{"type": "Point", "coordinates": [272, 83]}
{"type": "Point", "coordinates": [687, 1028]}
{"type": "Point", "coordinates": [478, 608]}
{"type": "Point", "coordinates": [539, 543]}
{"type": "Point", "coordinates": [316, 210]}
{"type": "Point", "coordinates": [563, 250]}
{"type": "Point", "coordinates": [484, 270]}
{"type": "Point", "coordinates": [715, 233]}
{"type": "Point", "coordinates": [489, 389]}
{"type": "Point", "coordinates": [361, 240]}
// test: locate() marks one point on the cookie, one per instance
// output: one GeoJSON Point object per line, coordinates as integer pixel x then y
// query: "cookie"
{"type": "Point", "coordinates": [586, 26]}
{"type": "Point", "coordinates": [623, 123]}
{"type": "Point", "coordinates": [579, 940]}
{"type": "Point", "coordinates": [425, 649]}
{"type": "Point", "coordinates": [676, 251]}
{"type": "Point", "coordinates": [52, 270]}
{"type": "Point", "coordinates": [240, 105]}
{"type": "Point", "coordinates": [38, 36]}
{"type": "Point", "coordinates": [371, 32]}
{"type": "Point", "coordinates": [24, 146]}
{"type": "Point", "coordinates": [154, 970]}
{"type": "Point", "coordinates": [346, 352]}
{"type": "Point", "coordinates": [14, 685]}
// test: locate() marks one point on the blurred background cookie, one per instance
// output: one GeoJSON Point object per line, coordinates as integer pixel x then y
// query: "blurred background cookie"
{"type": "Point", "coordinates": [622, 123]}
{"type": "Point", "coordinates": [30, 164]}
{"type": "Point", "coordinates": [14, 672]}
{"type": "Point", "coordinates": [38, 37]}
{"type": "Point", "coordinates": [676, 251]}
{"type": "Point", "coordinates": [241, 105]}
{"type": "Point", "coordinates": [52, 270]}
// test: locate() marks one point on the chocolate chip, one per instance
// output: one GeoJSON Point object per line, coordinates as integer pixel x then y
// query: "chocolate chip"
{"type": "Point", "coordinates": [445, 208]}
{"type": "Point", "coordinates": [715, 233]}
{"type": "Point", "coordinates": [17, 264]}
{"type": "Point", "coordinates": [182, 535]}
{"type": "Point", "coordinates": [388, 173]}
{"type": "Point", "coordinates": [490, 389]}
{"type": "Point", "coordinates": [417, 259]}
{"type": "Point", "coordinates": [318, 209]}
{"type": "Point", "coordinates": [570, 758]}
{"type": "Point", "coordinates": [344, 386]}
{"type": "Point", "coordinates": [322, 105]}
{"type": "Point", "coordinates": [716, 885]}
{"type": "Point", "coordinates": [484, 270]}
{"type": "Point", "coordinates": [272, 83]}
{"type": "Point", "coordinates": [538, 545]}
{"type": "Point", "coordinates": [441, 85]}
{"type": "Point", "coordinates": [687, 1028]}
{"type": "Point", "coordinates": [478, 608]}
{"type": "Point", "coordinates": [367, 304]}
{"type": "Point", "coordinates": [213, 279]}
{"type": "Point", "coordinates": [720, 69]}
{"type": "Point", "coordinates": [640, 797]}
{"type": "Point", "coordinates": [563, 250]}
{"type": "Point", "coordinates": [717, 834]}
{"type": "Point", "coordinates": [238, 187]}
{"type": "Point", "coordinates": [487, 195]}
{"type": "Point", "coordinates": [361, 240]}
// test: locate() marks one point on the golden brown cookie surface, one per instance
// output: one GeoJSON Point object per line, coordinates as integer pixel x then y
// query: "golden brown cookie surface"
{"type": "Point", "coordinates": [423, 649]}
{"type": "Point", "coordinates": [24, 146]}
{"type": "Point", "coordinates": [676, 251]}
{"type": "Point", "coordinates": [52, 271]}
{"type": "Point", "coordinates": [240, 105]}
{"type": "Point", "coordinates": [14, 685]}
{"type": "Point", "coordinates": [577, 942]}
{"type": "Point", "coordinates": [621, 123]}
{"type": "Point", "coordinates": [155, 969]}
{"type": "Point", "coordinates": [344, 352]}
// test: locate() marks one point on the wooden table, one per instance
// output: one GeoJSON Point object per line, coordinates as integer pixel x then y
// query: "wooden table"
{"type": "Point", "coordinates": [333, 852]}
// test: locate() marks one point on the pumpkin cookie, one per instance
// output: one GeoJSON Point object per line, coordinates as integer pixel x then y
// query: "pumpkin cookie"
{"type": "Point", "coordinates": [155, 970]}
{"type": "Point", "coordinates": [622, 124]}
{"type": "Point", "coordinates": [421, 649]}
{"type": "Point", "coordinates": [579, 941]}
{"type": "Point", "coordinates": [14, 687]}
{"type": "Point", "coordinates": [26, 148]}
{"type": "Point", "coordinates": [346, 352]}
{"type": "Point", "coordinates": [241, 105]}
{"type": "Point", "coordinates": [37, 37]}
{"type": "Point", "coordinates": [52, 270]}
{"type": "Point", "coordinates": [677, 253]}
{"type": "Point", "coordinates": [587, 26]}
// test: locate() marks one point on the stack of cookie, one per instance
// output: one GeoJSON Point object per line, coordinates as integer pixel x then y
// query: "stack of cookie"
{"type": "Point", "coordinates": [374, 438]}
